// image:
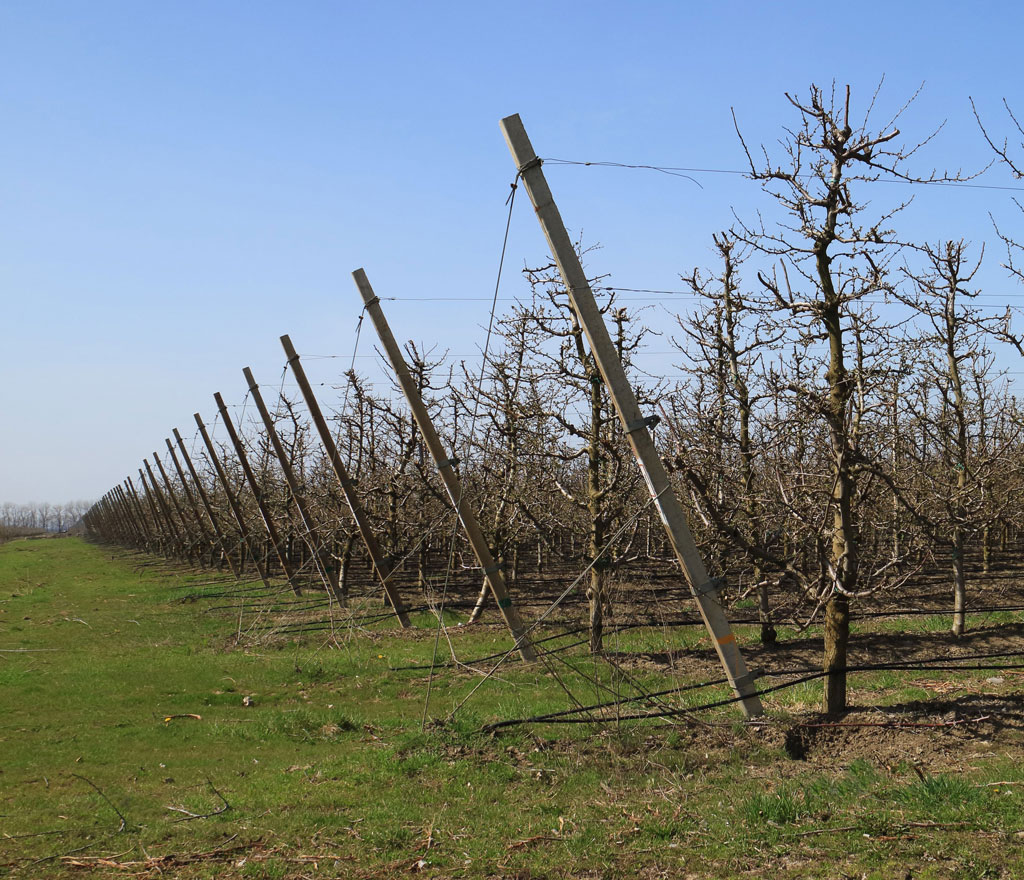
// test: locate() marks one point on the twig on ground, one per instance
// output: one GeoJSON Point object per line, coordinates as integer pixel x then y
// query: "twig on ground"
{"type": "Point", "coordinates": [70, 852]}
{"type": "Point", "coordinates": [189, 815]}
{"type": "Point", "coordinates": [27, 650]}
{"type": "Point", "coordinates": [99, 791]}
{"type": "Point", "coordinates": [518, 844]}
{"type": "Point", "coordinates": [36, 834]}
{"type": "Point", "coordinates": [814, 831]}
{"type": "Point", "coordinates": [156, 861]}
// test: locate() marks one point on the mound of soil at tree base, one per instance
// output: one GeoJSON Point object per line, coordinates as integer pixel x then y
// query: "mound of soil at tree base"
{"type": "Point", "coordinates": [945, 736]}
{"type": "Point", "coordinates": [969, 715]}
{"type": "Point", "coordinates": [939, 736]}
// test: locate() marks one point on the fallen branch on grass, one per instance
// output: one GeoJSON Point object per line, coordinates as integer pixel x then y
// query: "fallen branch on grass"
{"type": "Point", "coordinates": [814, 831]}
{"type": "Point", "coordinates": [36, 834]}
{"type": "Point", "coordinates": [159, 861]}
{"type": "Point", "coordinates": [189, 815]}
{"type": "Point", "coordinates": [519, 844]}
{"type": "Point", "coordinates": [99, 791]}
{"type": "Point", "coordinates": [70, 852]}
{"type": "Point", "coordinates": [221, 854]}
{"type": "Point", "coordinates": [26, 650]}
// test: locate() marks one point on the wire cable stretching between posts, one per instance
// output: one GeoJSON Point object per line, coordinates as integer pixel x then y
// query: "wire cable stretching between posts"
{"type": "Point", "coordinates": [511, 202]}
{"type": "Point", "coordinates": [352, 365]}
{"type": "Point", "coordinates": [621, 531]}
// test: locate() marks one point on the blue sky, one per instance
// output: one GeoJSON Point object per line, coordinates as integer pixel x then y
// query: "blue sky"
{"type": "Point", "coordinates": [181, 183]}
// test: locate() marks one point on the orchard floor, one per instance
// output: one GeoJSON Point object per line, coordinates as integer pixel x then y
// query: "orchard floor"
{"type": "Point", "coordinates": [142, 735]}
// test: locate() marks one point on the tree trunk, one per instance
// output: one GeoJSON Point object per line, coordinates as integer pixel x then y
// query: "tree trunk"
{"type": "Point", "coordinates": [595, 595]}
{"type": "Point", "coordinates": [768, 634]}
{"type": "Point", "coordinates": [346, 565]}
{"type": "Point", "coordinates": [837, 637]}
{"type": "Point", "coordinates": [959, 587]}
{"type": "Point", "coordinates": [421, 566]}
{"type": "Point", "coordinates": [481, 600]}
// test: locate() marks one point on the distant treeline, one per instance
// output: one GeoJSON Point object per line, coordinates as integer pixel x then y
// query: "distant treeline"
{"type": "Point", "coordinates": [21, 519]}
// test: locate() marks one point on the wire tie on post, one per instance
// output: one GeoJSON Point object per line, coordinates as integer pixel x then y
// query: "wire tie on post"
{"type": "Point", "coordinates": [535, 162]}
{"type": "Point", "coordinates": [449, 462]}
{"type": "Point", "coordinates": [648, 422]}
{"type": "Point", "coordinates": [506, 603]}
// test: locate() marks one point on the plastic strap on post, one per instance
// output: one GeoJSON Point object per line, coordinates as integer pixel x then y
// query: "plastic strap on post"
{"type": "Point", "coordinates": [648, 422]}
{"type": "Point", "coordinates": [745, 683]}
{"type": "Point", "coordinates": [708, 587]}
{"type": "Point", "coordinates": [505, 603]}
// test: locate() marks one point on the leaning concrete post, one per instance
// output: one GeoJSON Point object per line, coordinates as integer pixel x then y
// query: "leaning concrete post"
{"type": "Point", "coordinates": [445, 466]}
{"type": "Point", "coordinates": [380, 564]}
{"type": "Point", "coordinates": [704, 588]}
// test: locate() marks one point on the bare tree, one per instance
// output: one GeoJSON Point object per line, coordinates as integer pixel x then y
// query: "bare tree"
{"type": "Point", "coordinates": [831, 259]}
{"type": "Point", "coordinates": [959, 457]}
{"type": "Point", "coordinates": [726, 341]}
{"type": "Point", "coordinates": [591, 468]}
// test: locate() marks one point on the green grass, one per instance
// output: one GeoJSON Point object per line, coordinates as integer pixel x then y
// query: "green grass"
{"type": "Point", "coordinates": [328, 773]}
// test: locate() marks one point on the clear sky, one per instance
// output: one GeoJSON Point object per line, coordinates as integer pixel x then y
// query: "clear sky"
{"type": "Point", "coordinates": [181, 183]}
